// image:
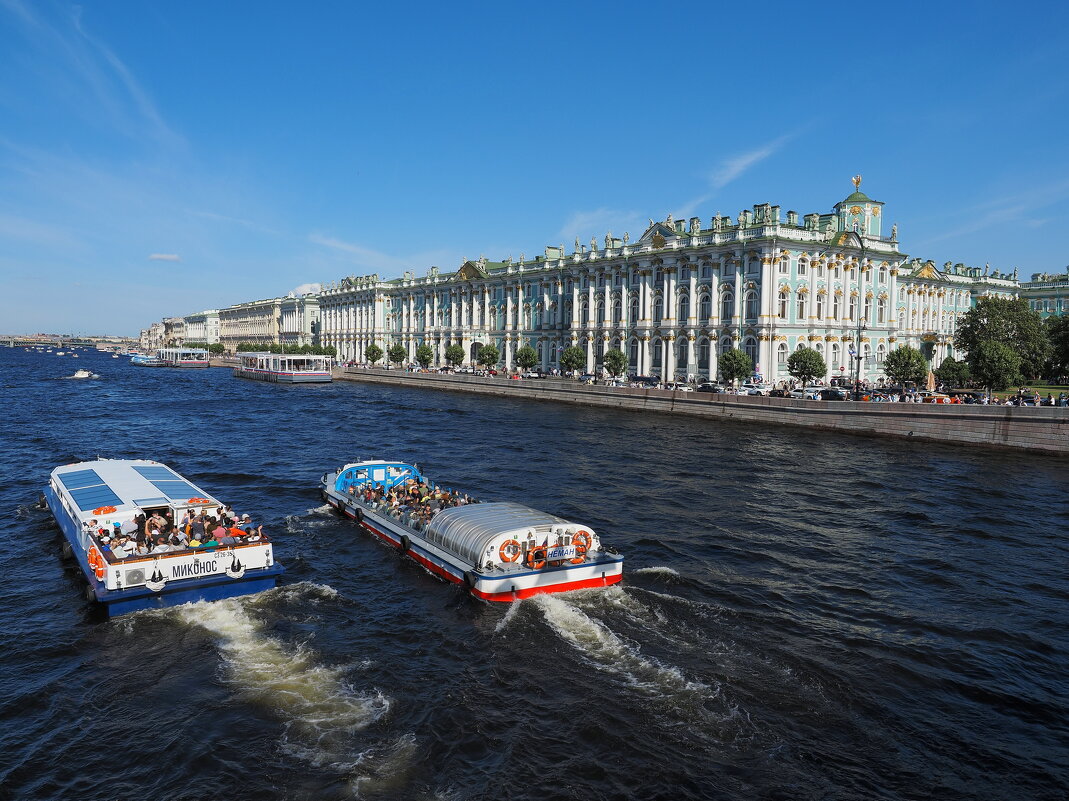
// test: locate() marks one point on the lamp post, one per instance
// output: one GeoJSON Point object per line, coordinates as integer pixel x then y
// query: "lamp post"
{"type": "Point", "coordinates": [861, 325]}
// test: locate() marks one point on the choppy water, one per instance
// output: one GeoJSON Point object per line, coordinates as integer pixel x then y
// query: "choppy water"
{"type": "Point", "coordinates": [803, 616]}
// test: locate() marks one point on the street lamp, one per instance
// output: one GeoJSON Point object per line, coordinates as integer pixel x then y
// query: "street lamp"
{"type": "Point", "coordinates": [861, 325]}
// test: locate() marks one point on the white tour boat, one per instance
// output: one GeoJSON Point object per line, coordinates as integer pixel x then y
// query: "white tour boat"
{"type": "Point", "coordinates": [183, 357]}
{"type": "Point", "coordinates": [501, 551]}
{"type": "Point", "coordinates": [84, 374]}
{"type": "Point", "coordinates": [284, 368]}
{"type": "Point", "coordinates": [91, 500]}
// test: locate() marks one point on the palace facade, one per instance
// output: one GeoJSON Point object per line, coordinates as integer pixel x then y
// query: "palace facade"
{"type": "Point", "coordinates": [276, 321]}
{"type": "Point", "coordinates": [680, 295]}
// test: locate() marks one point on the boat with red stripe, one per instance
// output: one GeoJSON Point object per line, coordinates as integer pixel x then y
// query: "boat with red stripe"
{"type": "Point", "coordinates": [501, 551]}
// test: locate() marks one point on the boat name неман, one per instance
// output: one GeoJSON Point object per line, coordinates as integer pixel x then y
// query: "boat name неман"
{"type": "Point", "coordinates": [502, 551]}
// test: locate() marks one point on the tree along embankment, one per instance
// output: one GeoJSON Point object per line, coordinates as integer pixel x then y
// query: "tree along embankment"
{"type": "Point", "coordinates": [1027, 427]}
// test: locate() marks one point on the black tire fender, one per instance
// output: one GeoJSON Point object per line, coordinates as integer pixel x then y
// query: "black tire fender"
{"type": "Point", "coordinates": [404, 544]}
{"type": "Point", "coordinates": [470, 579]}
{"type": "Point", "coordinates": [66, 551]}
{"type": "Point", "coordinates": [90, 593]}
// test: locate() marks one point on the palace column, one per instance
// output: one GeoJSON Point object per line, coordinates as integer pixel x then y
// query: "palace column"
{"type": "Point", "coordinates": [668, 358]}
{"type": "Point", "coordinates": [644, 354]}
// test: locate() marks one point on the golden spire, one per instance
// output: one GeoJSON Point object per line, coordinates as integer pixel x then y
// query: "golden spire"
{"type": "Point", "coordinates": [857, 183]}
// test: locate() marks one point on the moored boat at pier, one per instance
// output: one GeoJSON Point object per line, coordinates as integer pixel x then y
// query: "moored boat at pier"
{"type": "Point", "coordinates": [284, 368]}
{"type": "Point", "coordinates": [142, 360]}
{"type": "Point", "coordinates": [183, 357]}
{"type": "Point", "coordinates": [93, 501]}
{"type": "Point", "coordinates": [501, 551]}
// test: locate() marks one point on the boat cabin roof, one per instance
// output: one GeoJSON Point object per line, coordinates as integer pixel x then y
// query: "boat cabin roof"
{"type": "Point", "coordinates": [132, 483]}
{"type": "Point", "coordinates": [469, 530]}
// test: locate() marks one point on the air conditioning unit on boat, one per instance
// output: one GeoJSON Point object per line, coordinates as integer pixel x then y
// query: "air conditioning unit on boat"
{"type": "Point", "coordinates": [135, 576]}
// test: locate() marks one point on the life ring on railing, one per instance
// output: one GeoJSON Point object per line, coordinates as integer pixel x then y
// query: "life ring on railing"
{"type": "Point", "coordinates": [103, 510]}
{"type": "Point", "coordinates": [198, 500]}
{"type": "Point", "coordinates": [509, 551]}
{"type": "Point", "coordinates": [581, 536]}
{"type": "Point", "coordinates": [96, 561]}
{"type": "Point", "coordinates": [533, 560]}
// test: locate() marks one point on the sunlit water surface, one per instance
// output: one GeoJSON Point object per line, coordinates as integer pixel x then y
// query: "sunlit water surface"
{"type": "Point", "coordinates": [804, 615]}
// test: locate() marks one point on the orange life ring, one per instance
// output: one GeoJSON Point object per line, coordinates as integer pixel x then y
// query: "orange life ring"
{"type": "Point", "coordinates": [96, 561]}
{"type": "Point", "coordinates": [104, 510]}
{"type": "Point", "coordinates": [198, 500]}
{"type": "Point", "coordinates": [534, 562]}
{"type": "Point", "coordinates": [581, 541]}
{"type": "Point", "coordinates": [581, 535]}
{"type": "Point", "coordinates": [509, 551]}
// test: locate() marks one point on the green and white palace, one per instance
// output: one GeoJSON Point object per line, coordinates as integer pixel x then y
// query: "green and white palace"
{"type": "Point", "coordinates": [681, 294]}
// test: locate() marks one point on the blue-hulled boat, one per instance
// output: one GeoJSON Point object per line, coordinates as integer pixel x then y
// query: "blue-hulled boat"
{"type": "Point", "coordinates": [91, 499]}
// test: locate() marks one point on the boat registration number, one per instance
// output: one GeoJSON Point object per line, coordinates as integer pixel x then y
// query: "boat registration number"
{"type": "Point", "coordinates": [561, 552]}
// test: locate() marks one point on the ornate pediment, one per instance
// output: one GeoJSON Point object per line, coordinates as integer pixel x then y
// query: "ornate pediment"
{"type": "Point", "coordinates": [927, 272]}
{"type": "Point", "coordinates": [470, 271]}
{"type": "Point", "coordinates": [657, 234]}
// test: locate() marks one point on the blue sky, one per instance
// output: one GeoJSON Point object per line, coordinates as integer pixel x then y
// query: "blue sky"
{"type": "Point", "coordinates": [158, 158]}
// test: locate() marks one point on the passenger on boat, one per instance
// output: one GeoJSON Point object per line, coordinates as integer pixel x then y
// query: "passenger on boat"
{"type": "Point", "coordinates": [129, 528]}
{"type": "Point", "coordinates": [157, 520]}
{"type": "Point", "coordinates": [122, 548]}
{"type": "Point", "coordinates": [161, 546]}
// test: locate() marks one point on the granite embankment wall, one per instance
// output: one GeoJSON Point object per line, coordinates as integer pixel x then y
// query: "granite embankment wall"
{"type": "Point", "coordinates": [1032, 428]}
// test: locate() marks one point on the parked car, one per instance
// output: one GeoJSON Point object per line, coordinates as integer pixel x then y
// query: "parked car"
{"type": "Point", "coordinates": [587, 378]}
{"type": "Point", "coordinates": [779, 393]}
{"type": "Point", "coordinates": [534, 374]}
{"type": "Point", "coordinates": [710, 387]}
{"type": "Point", "coordinates": [678, 386]}
{"type": "Point", "coordinates": [754, 388]}
{"type": "Point", "coordinates": [809, 393]}
{"type": "Point", "coordinates": [833, 394]}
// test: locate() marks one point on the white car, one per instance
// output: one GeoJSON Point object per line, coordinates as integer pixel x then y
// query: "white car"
{"type": "Point", "coordinates": [679, 387]}
{"type": "Point", "coordinates": [754, 388]}
{"type": "Point", "coordinates": [809, 393]}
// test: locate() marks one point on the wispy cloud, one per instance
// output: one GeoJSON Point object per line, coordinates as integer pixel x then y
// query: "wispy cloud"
{"type": "Point", "coordinates": [304, 289]}
{"type": "Point", "coordinates": [164, 257]}
{"type": "Point", "coordinates": [92, 78]}
{"type": "Point", "coordinates": [362, 256]}
{"type": "Point", "coordinates": [734, 167]}
{"type": "Point", "coordinates": [598, 222]}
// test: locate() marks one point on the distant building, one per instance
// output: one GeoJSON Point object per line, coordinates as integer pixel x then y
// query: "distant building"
{"type": "Point", "coordinates": [203, 327]}
{"type": "Point", "coordinates": [277, 321]}
{"type": "Point", "coordinates": [151, 338]}
{"type": "Point", "coordinates": [1047, 293]}
{"type": "Point", "coordinates": [679, 295]}
{"type": "Point", "coordinates": [174, 331]}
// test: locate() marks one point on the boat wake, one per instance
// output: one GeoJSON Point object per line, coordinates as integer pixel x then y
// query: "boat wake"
{"type": "Point", "coordinates": [320, 711]}
{"type": "Point", "coordinates": [663, 571]}
{"type": "Point", "coordinates": [612, 653]}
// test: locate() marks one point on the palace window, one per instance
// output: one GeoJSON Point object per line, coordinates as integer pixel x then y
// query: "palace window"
{"type": "Point", "coordinates": [784, 266]}
{"type": "Point", "coordinates": [703, 352]}
{"type": "Point", "coordinates": [803, 267]}
{"type": "Point", "coordinates": [853, 307]}
{"type": "Point", "coordinates": [868, 310]}
{"type": "Point", "coordinates": [684, 307]}
{"type": "Point", "coordinates": [658, 310]}
{"type": "Point", "coordinates": [727, 306]}
{"type": "Point", "coordinates": [749, 347]}
{"type": "Point", "coordinates": [835, 307]}
{"type": "Point", "coordinates": [632, 352]}
{"type": "Point", "coordinates": [781, 353]}
{"type": "Point", "coordinates": [681, 354]}
{"type": "Point", "coordinates": [634, 311]}
{"type": "Point", "coordinates": [819, 310]}
{"type": "Point", "coordinates": [881, 311]}
{"type": "Point", "coordinates": [751, 305]}
{"type": "Point", "coordinates": [704, 309]}
{"type": "Point", "coordinates": [883, 275]}
{"type": "Point", "coordinates": [784, 298]}
{"type": "Point", "coordinates": [616, 310]}
{"type": "Point", "coordinates": [800, 309]}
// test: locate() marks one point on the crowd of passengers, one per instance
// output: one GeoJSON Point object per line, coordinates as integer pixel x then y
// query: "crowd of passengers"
{"type": "Point", "coordinates": [415, 500]}
{"type": "Point", "coordinates": [157, 533]}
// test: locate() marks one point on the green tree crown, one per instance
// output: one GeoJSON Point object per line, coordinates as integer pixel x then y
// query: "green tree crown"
{"type": "Point", "coordinates": [373, 353]}
{"type": "Point", "coordinates": [994, 365]}
{"type": "Point", "coordinates": [1009, 322]}
{"type": "Point", "coordinates": [805, 364]}
{"type": "Point", "coordinates": [397, 354]}
{"type": "Point", "coordinates": [454, 354]}
{"type": "Point", "coordinates": [735, 365]}
{"type": "Point", "coordinates": [906, 365]}
{"type": "Point", "coordinates": [424, 355]}
{"type": "Point", "coordinates": [615, 362]}
{"type": "Point", "coordinates": [488, 355]}
{"type": "Point", "coordinates": [526, 357]}
{"type": "Point", "coordinates": [572, 359]}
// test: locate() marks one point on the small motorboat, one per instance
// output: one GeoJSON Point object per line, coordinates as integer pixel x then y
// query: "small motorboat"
{"type": "Point", "coordinates": [84, 374]}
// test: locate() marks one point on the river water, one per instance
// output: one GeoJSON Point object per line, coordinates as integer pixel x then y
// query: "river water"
{"type": "Point", "coordinates": [803, 615]}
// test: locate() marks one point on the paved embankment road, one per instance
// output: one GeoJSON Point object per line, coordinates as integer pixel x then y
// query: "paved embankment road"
{"type": "Point", "coordinates": [1034, 428]}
